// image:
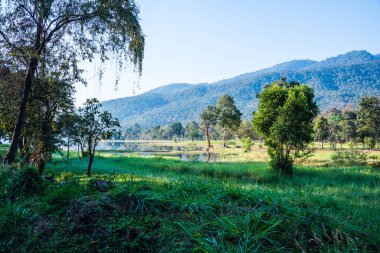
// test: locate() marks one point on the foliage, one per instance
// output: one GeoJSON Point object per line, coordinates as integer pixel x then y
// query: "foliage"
{"type": "Point", "coordinates": [284, 119]}
{"type": "Point", "coordinates": [350, 158]}
{"type": "Point", "coordinates": [321, 129]}
{"type": "Point", "coordinates": [247, 144]}
{"type": "Point", "coordinates": [229, 117]}
{"type": "Point", "coordinates": [38, 37]}
{"type": "Point", "coordinates": [368, 119]}
{"type": "Point", "coordinates": [193, 131]}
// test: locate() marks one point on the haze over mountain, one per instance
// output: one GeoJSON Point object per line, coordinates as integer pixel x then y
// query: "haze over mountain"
{"type": "Point", "coordinates": [337, 81]}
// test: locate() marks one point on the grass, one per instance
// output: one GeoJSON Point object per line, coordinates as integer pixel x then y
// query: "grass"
{"type": "Point", "coordinates": [156, 204]}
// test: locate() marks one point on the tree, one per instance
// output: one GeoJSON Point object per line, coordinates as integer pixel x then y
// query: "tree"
{"type": "Point", "coordinates": [284, 118]}
{"type": "Point", "coordinates": [334, 128]}
{"type": "Point", "coordinates": [368, 119]}
{"type": "Point", "coordinates": [209, 119]}
{"type": "Point", "coordinates": [96, 126]}
{"type": "Point", "coordinates": [229, 117]}
{"type": "Point", "coordinates": [321, 129]}
{"type": "Point", "coordinates": [192, 130]}
{"type": "Point", "coordinates": [50, 96]}
{"type": "Point", "coordinates": [67, 32]}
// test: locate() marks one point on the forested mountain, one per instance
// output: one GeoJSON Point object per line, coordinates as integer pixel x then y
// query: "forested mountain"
{"type": "Point", "coordinates": [337, 81]}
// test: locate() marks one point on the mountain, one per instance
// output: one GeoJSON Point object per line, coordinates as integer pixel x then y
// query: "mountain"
{"type": "Point", "coordinates": [337, 81]}
{"type": "Point", "coordinates": [170, 89]}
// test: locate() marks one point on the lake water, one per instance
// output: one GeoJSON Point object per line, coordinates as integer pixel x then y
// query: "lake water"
{"type": "Point", "coordinates": [184, 153]}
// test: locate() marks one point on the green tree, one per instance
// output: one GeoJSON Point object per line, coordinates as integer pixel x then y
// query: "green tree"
{"type": "Point", "coordinates": [368, 119]}
{"type": "Point", "coordinates": [334, 128]}
{"type": "Point", "coordinates": [229, 117]}
{"type": "Point", "coordinates": [67, 32]}
{"type": "Point", "coordinates": [284, 118]}
{"type": "Point", "coordinates": [96, 126]}
{"type": "Point", "coordinates": [192, 130]}
{"type": "Point", "coordinates": [321, 129]}
{"type": "Point", "coordinates": [209, 119]}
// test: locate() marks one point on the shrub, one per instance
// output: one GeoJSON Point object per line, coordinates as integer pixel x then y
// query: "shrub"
{"type": "Point", "coordinates": [24, 183]}
{"type": "Point", "coordinates": [349, 158]}
{"type": "Point", "coordinates": [247, 144]}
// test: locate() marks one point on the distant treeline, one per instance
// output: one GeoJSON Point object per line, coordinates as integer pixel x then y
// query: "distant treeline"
{"type": "Point", "coordinates": [361, 126]}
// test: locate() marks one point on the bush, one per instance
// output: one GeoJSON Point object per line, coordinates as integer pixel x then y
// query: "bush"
{"type": "Point", "coordinates": [24, 183]}
{"type": "Point", "coordinates": [231, 142]}
{"type": "Point", "coordinates": [349, 158]}
{"type": "Point", "coordinates": [247, 144]}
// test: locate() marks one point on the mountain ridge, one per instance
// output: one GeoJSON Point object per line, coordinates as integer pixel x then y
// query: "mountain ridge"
{"type": "Point", "coordinates": [337, 81]}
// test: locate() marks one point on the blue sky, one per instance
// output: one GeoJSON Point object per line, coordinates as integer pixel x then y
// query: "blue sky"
{"type": "Point", "coordinates": [208, 40]}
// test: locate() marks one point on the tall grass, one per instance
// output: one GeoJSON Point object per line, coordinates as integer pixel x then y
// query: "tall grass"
{"type": "Point", "coordinates": [165, 205]}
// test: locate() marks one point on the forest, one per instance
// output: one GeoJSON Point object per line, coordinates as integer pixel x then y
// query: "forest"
{"type": "Point", "coordinates": [296, 172]}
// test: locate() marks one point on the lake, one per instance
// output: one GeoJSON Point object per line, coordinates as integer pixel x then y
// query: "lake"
{"type": "Point", "coordinates": [183, 152]}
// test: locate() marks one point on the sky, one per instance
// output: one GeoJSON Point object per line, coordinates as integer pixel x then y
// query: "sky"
{"type": "Point", "coordinates": [198, 41]}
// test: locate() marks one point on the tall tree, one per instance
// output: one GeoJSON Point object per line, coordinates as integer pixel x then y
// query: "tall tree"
{"type": "Point", "coordinates": [96, 126]}
{"type": "Point", "coordinates": [209, 119]}
{"type": "Point", "coordinates": [284, 118]}
{"type": "Point", "coordinates": [229, 116]}
{"type": "Point", "coordinates": [69, 31]}
{"type": "Point", "coordinates": [321, 129]}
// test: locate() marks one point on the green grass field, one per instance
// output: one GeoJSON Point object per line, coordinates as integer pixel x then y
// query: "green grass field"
{"type": "Point", "coordinates": [155, 204]}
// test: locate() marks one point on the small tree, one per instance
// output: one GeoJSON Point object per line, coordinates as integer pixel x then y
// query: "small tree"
{"type": "Point", "coordinates": [321, 129]}
{"type": "Point", "coordinates": [97, 126]}
{"type": "Point", "coordinates": [209, 119]}
{"type": "Point", "coordinates": [284, 118]}
{"type": "Point", "coordinates": [229, 116]}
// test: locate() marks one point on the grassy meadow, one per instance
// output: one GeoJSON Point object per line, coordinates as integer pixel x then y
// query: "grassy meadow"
{"type": "Point", "coordinates": [163, 204]}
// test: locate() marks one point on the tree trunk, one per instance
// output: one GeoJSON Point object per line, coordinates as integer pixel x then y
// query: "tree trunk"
{"type": "Point", "coordinates": [322, 144]}
{"type": "Point", "coordinates": [41, 166]}
{"type": "Point", "coordinates": [90, 161]}
{"type": "Point", "coordinates": [224, 137]}
{"type": "Point", "coordinates": [11, 155]}
{"type": "Point", "coordinates": [208, 138]}
{"type": "Point", "coordinates": [68, 149]}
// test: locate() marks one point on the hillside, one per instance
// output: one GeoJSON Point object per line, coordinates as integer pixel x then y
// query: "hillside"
{"type": "Point", "coordinates": [337, 81]}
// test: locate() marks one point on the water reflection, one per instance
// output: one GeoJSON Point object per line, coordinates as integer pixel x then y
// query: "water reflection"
{"type": "Point", "coordinates": [152, 149]}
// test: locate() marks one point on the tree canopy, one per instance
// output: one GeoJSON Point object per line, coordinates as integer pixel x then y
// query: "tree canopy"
{"type": "Point", "coordinates": [55, 35]}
